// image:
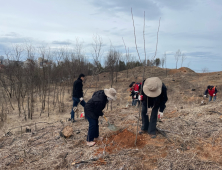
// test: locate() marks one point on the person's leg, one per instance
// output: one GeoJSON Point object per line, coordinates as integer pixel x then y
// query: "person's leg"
{"type": "Point", "coordinates": [210, 98]}
{"type": "Point", "coordinates": [135, 102]}
{"type": "Point", "coordinates": [97, 128]}
{"type": "Point", "coordinates": [153, 120]}
{"type": "Point", "coordinates": [214, 98]}
{"type": "Point", "coordinates": [75, 103]}
{"type": "Point", "coordinates": [145, 119]}
{"type": "Point", "coordinates": [138, 103]}
{"type": "Point", "coordinates": [93, 129]}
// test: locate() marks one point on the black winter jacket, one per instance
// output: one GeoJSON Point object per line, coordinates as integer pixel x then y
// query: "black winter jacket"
{"type": "Point", "coordinates": [158, 101]}
{"type": "Point", "coordinates": [93, 108]}
{"type": "Point", "coordinates": [77, 88]}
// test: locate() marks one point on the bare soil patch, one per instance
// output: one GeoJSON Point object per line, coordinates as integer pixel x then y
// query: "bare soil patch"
{"type": "Point", "coordinates": [120, 140]}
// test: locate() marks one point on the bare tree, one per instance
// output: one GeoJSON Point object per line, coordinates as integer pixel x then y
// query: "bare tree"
{"type": "Point", "coordinates": [96, 54]}
{"type": "Point", "coordinates": [127, 58]}
{"type": "Point", "coordinates": [97, 51]}
{"type": "Point", "coordinates": [162, 61]}
{"type": "Point", "coordinates": [17, 51]}
{"type": "Point", "coordinates": [165, 59]}
{"type": "Point", "coordinates": [177, 56]}
{"type": "Point", "coordinates": [205, 70]}
{"type": "Point", "coordinates": [111, 59]}
{"type": "Point", "coordinates": [117, 64]}
{"type": "Point", "coordinates": [30, 73]}
{"type": "Point", "coordinates": [145, 56]}
{"type": "Point", "coordinates": [183, 57]}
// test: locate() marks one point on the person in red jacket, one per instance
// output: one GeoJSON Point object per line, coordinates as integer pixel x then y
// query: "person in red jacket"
{"type": "Point", "coordinates": [212, 91]}
{"type": "Point", "coordinates": [134, 89]}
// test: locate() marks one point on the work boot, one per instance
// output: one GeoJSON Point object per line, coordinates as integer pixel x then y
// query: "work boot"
{"type": "Point", "coordinates": [72, 120]}
{"type": "Point", "coordinates": [142, 132]}
{"type": "Point", "coordinates": [153, 136]}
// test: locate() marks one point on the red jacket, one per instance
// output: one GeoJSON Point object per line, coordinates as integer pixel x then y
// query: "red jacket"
{"type": "Point", "coordinates": [135, 90]}
{"type": "Point", "coordinates": [211, 92]}
{"type": "Point", "coordinates": [137, 87]}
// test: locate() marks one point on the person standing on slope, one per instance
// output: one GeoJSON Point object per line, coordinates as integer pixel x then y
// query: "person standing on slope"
{"type": "Point", "coordinates": [77, 95]}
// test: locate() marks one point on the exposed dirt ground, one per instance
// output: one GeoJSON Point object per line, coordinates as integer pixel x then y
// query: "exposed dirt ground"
{"type": "Point", "coordinates": [189, 135]}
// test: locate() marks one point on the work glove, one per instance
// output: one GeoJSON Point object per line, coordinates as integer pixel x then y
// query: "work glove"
{"type": "Point", "coordinates": [140, 97]}
{"type": "Point", "coordinates": [109, 99]}
{"type": "Point", "coordinates": [81, 99]}
{"type": "Point", "coordinates": [75, 109]}
{"type": "Point", "coordinates": [205, 96]}
{"type": "Point", "coordinates": [214, 94]}
{"type": "Point", "coordinates": [160, 115]}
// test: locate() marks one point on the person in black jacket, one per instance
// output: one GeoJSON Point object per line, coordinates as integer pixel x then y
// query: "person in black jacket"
{"type": "Point", "coordinates": [77, 95]}
{"type": "Point", "coordinates": [93, 109]}
{"type": "Point", "coordinates": [154, 94]}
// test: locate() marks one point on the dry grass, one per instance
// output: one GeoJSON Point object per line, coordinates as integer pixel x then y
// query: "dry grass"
{"type": "Point", "coordinates": [191, 136]}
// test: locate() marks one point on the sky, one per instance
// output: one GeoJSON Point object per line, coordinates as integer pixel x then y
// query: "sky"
{"type": "Point", "coordinates": [191, 26]}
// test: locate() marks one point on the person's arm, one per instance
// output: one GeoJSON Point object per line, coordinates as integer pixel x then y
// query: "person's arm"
{"type": "Point", "coordinates": [206, 92]}
{"type": "Point", "coordinates": [215, 90]}
{"type": "Point", "coordinates": [78, 88]}
{"type": "Point", "coordinates": [73, 88]}
{"type": "Point", "coordinates": [141, 88]}
{"type": "Point", "coordinates": [164, 98]}
{"type": "Point", "coordinates": [98, 108]}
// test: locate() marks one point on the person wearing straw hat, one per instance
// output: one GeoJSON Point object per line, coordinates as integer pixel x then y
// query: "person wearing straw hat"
{"type": "Point", "coordinates": [93, 109]}
{"type": "Point", "coordinates": [154, 95]}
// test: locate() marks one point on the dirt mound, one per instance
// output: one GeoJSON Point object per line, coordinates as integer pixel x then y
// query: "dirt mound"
{"type": "Point", "coordinates": [181, 70]}
{"type": "Point", "coordinates": [186, 69]}
{"type": "Point", "coordinates": [121, 140]}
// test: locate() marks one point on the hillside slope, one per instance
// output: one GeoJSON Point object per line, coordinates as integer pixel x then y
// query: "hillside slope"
{"type": "Point", "coordinates": [189, 137]}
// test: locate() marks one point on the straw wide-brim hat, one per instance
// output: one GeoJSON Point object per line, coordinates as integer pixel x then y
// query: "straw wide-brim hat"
{"type": "Point", "coordinates": [111, 93]}
{"type": "Point", "coordinates": [152, 87]}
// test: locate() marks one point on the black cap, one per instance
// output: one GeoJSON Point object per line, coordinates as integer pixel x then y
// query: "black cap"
{"type": "Point", "coordinates": [131, 84]}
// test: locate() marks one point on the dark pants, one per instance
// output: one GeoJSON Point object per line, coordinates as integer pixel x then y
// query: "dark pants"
{"type": "Point", "coordinates": [93, 129]}
{"type": "Point", "coordinates": [210, 98]}
{"type": "Point", "coordinates": [138, 103]}
{"type": "Point", "coordinates": [75, 103]}
{"type": "Point", "coordinates": [147, 125]}
{"type": "Point", "coordinates": [134, 101]}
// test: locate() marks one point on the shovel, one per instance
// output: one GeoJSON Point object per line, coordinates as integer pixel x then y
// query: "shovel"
{"type": "Point", "coordinates": [111, 126]}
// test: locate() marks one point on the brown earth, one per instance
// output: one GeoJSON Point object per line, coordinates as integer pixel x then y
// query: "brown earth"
{"type": "Point", "coordinates": [120, 140]}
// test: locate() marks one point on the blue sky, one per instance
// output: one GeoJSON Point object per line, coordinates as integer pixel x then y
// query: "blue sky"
{"type": "Point", "coordinates": [193, 26]}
